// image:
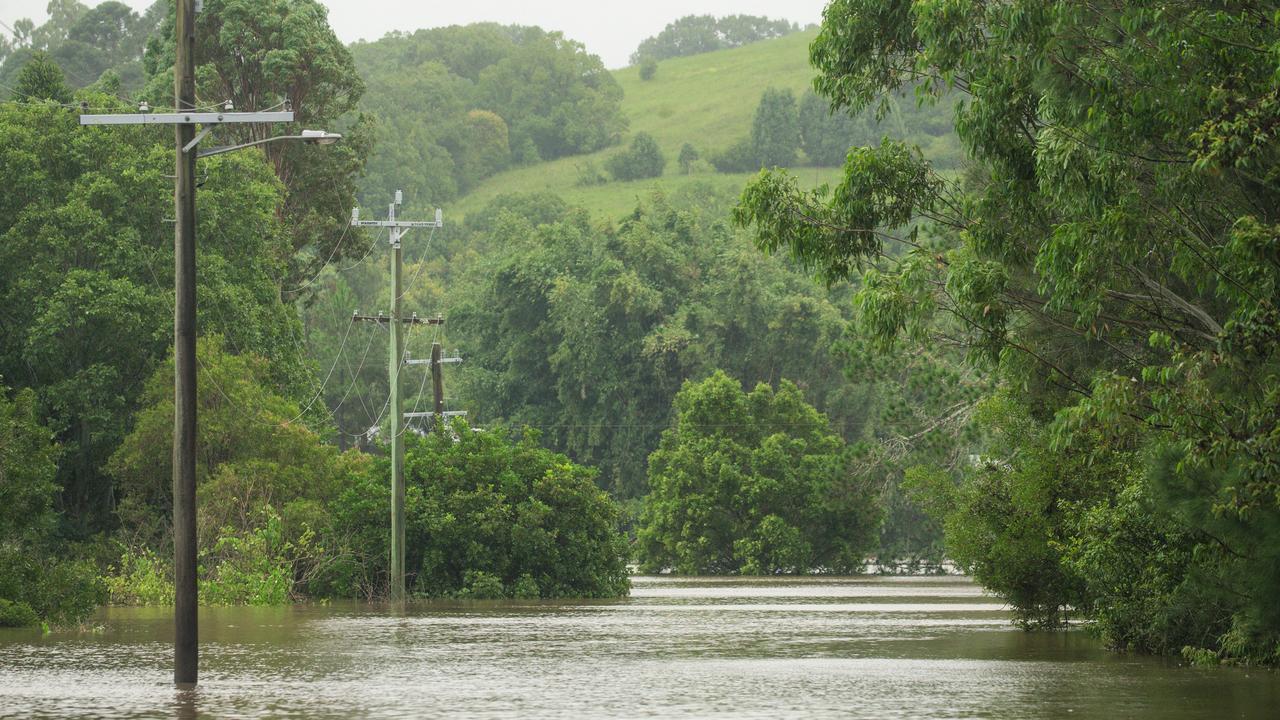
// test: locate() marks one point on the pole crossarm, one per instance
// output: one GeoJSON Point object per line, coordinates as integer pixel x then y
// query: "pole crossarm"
{"type": "Point", "coordinates": [427, 361]}
{"type": "Point", "coordinates": [384, 320]}
{"type": "Point", "coordinates": [187, 118]}
{"type": "Point", "coordinates": [446, 413]}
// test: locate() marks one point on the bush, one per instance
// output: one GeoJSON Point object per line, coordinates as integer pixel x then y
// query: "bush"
{"type": "Point", "coordinates": [141, 578]}
{"type": "Point", "coordinates": [642, 160]}
{"type": "Point", "coordinates": [688, 156]}
{"type": "Point", "coordinates": [486, 517]}
{"type": "Point", "coordinates": [752, 483]}
{"type": "Point", "coordinates": [737, 158]}
{"type": "Point", "coordinates": [17, 614]}
{"type": "Point", "coordinates": [648, 68]}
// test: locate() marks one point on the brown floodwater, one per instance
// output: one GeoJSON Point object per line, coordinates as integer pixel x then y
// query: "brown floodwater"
{"type": "Point", "coordinates": [862, 647]}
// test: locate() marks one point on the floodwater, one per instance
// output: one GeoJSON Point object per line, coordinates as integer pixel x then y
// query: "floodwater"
{"type": "Point", "coordinates": [864, 647]}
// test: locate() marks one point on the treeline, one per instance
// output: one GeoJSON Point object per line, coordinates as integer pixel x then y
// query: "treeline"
{"type": "Point", "coordinates": [1112, 260]}
{"type": "Point", "coordinates": [455, 105]}
{"type": "Point", "coordinates": [694, 34]}
{"type": "Point", "coordinates": [86, 380]}
{"type": "Point", "coordinates": [85, 42]}
{"type": "Point", "coordinates": [786, 133]}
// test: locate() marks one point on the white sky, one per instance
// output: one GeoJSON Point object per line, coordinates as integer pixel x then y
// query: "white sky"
{"type": "Point", "coordinates": [608, 28]}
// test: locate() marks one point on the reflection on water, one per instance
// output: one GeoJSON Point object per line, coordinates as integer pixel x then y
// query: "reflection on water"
{"type": "Point", "coordinates": [853, 647]}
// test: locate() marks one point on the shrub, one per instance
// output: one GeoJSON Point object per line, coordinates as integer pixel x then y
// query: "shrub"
{"type": "Point", "coordinates": [17, 614]}
{"type": "Point", "coordinates": [738, 157]}
{"type": "Point", "coordinates": [688, 156]}
{"type": "Point", "coordinates": [752, 483]}
{"type": "Point", "coordinates": [486, 517]}
{"type": "Point", "coordinates": [141, 578]}
{"type": "Point", "coordinates": [648, 68]}
{"type": "Point", "coordinates": [642, 160]}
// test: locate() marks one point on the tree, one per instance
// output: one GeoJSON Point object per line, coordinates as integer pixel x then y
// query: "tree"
{"type": "Point", "coordinates": [586, 333]}
{"type": "Point", "coordinates": [260, 55]}
{"type": "Point", "coordinates": [1109, 257]}
{"type": "Point", "coordinates": [775, 130]}
{"type": "Point", "coordinates": [826, 135]}
{"type": "Point", "coordinates": [88, 280]}
{"type": "Point", "coordinates": [38, 579]}
{"type": "Point", "coordinates": [643, 159]}
{"type": "Point", "coordinates": [487, 517]}
{"type": "Point", "coordinates": [266, 486]}
{"type": "Point", "coordinates": [648, 68]}
{"type": "Point", "coordinates": [41, 79]}
{"type": "Point", "coordinates": [752, 483]}
{"type": "Point", "coordinates": [694, 34]}
{"type": "Point", "coordinates": [688, 156]}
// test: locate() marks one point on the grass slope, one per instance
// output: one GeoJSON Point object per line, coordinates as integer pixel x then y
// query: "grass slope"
{"type": "Point", "coordinates": [707, 100]}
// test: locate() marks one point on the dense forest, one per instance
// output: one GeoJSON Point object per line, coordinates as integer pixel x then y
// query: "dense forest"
{"type": "Point", "coordinates": [1029, 329]}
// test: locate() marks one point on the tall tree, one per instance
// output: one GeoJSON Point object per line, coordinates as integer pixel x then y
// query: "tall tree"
{"type": "Point", "coordinates": [1112, 256]}
{"type": "Point", "coordinates": [269, 55]}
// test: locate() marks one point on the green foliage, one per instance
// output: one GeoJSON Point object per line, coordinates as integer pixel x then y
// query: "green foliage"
{"type": "Point", "coordinates": [693, 34]}
{"type": "Point", "coordinates": [489, 518]}
{"type": "Point", "coordinates": [266, 487]}
{"type": "Point", "coordinates": [688, 156]}
{"type": "Point", "coordinates": [41, 79]}
{"type": "Point", "coordinates": [775, 131]}
{"type": "Point", "coordinates": [587, 333]}
{"type": "Point", "coordinates": [430, 89]}
{"type": "Point", "coordinates": [752, 483]}
{"type": "Point", "coordinates": [1111, 257]}
{"type": "Point", "coordinates": [140, 578]}
{"type": "Point", "coordinates": [17, 614]}
{"type": "Point", "coordinates": [648, 68]}
{"type": "Point", "coordinates": [39, 575]}
{"type": "Point", "coordinates": [258, 54]}
{"type": "Point", "coordinates": [642, 160]}
{"type": "Point", "coordinates": [253, 567]}
{"type": "Point", "coordinates": [89, 275]}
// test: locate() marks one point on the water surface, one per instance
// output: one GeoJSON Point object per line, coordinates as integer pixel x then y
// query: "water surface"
{"type": "Point", "coordinates": [864, 647]}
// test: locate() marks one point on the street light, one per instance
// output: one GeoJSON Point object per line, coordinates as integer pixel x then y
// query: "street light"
{"type": "Point", "coordinates": [186, 655]}
{"type": "Point", "coordinates": [311, 137]}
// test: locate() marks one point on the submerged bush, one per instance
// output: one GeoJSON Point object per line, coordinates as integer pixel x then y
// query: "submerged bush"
{"type": "Point", "coordinates": [487, 517]}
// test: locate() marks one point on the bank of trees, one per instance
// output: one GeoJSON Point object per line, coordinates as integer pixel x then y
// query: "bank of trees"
{"type": "Point", "coordinates": [694, 34]}
{"type": "Point", "coordinates": [455, 105]}
{"type": "Point", "coordinates": [587, 332]}
{"type": "Point", "coordinates": [786, 132]}
{"type": "Point", "coordinates": [1111, 259]}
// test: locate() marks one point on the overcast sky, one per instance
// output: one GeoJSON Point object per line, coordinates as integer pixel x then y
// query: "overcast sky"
{"type": "Point", "coordinates": [609, 29]}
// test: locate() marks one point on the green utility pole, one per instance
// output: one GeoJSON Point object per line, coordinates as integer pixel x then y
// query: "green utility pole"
{"type": "Point", "coordinates": [396, 359]}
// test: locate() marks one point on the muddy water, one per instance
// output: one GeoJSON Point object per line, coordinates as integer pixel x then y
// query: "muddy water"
{"type": "Point", "coordinates": [834, 647]}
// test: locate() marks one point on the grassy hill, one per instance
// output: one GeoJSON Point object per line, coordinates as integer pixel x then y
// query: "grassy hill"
{"type": "Point", "coordinates": [707, 100]}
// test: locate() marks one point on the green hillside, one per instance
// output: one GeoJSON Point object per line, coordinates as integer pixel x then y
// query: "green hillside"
{"type": "Point", "coordinates": [707, 100]}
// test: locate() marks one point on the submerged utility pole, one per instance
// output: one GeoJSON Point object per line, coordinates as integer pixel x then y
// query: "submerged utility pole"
{"type": "Point", "coordinates": [395, 362]}
{"type": "Point", "coordinates": [184, 120]}
{"type": "Point", "coordinates": [186, 600]}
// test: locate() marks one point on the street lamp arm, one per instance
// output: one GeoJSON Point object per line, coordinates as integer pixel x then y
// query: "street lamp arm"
{"type": "Point", "coordinates": [319, 137]}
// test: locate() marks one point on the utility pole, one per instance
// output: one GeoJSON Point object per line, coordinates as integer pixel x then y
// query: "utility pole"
{"type": "Point", "coordinates": [395, 353]}
{"type": "Point", "coordinates": [437, 385]}
{"type": "Point", "coordinates": [184, 120]}
{"type": "Point", "coordinates": [186, 661]}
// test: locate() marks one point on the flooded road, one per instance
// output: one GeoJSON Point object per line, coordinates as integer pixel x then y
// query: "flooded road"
{"type": "Point", "coordinates": [864, 647]}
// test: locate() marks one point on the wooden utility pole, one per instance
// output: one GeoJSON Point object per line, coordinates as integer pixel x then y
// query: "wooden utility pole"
{"type": "Point", "coordinates": [395, 353]}
{"type": "Point", "coordinates": [186, 600]}
{"type": "Point", "coordinates": [184, 120]}
{"type": "Point", "coordinates": [437, 379]}
{"type": "Point", "coordinates": [437, 385]}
